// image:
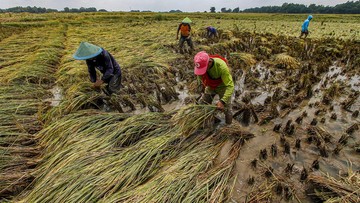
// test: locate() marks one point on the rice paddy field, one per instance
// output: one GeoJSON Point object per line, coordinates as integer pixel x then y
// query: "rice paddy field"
{"type": "Point", "coordinates": [294, 138]}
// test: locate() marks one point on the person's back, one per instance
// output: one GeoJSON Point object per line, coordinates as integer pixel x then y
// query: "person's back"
{"type": "Point", "coordinates": [184, 29]}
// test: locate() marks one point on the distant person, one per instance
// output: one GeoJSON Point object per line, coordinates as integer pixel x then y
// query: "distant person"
{"type": "Point", "coordinates": [100, 59]}
{"type": "Point", "coordinates": [211, 32]}
{"type": "Point", "coordinates": [185, 30]}
{"type": "Point", "coordinates": [217, 80]}
{"type": "Point", "coordinates": [304, 27]}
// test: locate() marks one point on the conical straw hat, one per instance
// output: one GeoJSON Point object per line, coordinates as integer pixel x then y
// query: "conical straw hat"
{"type": "Point", "coordinates": [186, 20]}
{"type": "Point", "coordinates": [87, 51]}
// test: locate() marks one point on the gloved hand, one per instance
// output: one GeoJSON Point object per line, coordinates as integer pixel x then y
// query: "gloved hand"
{"type": "Point", "coordinates": [220, 105]}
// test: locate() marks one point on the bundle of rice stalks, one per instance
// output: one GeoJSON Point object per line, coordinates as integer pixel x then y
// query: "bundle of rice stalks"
{"type": "Point", "coordinates": [193, 118]}
{"type": "Point", "coordinates": [330, 189]}
{"type": "Point", "coordinates": [285, 61]}
{"type": "Point", "coordinates": [242, 61]}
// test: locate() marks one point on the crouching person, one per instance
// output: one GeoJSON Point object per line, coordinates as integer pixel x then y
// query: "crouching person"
{"type": "Point", "coordinates": [215, 76]}
{"type": "Point", "coordinates": [100, 59]}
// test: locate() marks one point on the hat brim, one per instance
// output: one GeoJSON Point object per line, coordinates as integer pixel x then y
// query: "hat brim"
{"type": "Point", "coordinates": [201, 70]}
{"type": "Point", "coordinates": [88, 56]}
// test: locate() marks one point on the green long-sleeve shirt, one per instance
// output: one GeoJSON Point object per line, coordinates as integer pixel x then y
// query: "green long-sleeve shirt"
{"type": "Point", "coordinates": [221, 70]}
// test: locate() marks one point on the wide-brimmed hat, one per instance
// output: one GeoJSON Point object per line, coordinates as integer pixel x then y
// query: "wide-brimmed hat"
{"type": "Point", "coordinates": [186, 20]}
{"type": "Point", "coordinates": [201, 61]}
{"type": "Point", "coordinates": [87, 51]}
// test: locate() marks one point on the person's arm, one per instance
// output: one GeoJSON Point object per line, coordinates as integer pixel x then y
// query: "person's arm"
{"type": "Point", "coordinates": [228, 82]}
{"type": "Point", "coordinates": [92, 71]}
{"type": "Point", "coordinates": [189, 30]}
{"type": "Point", "coordinates": [177, 32]}
{"type": "Point", "coordinates": [108, 66]}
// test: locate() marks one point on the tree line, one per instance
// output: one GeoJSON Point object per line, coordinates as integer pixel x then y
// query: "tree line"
{"type": "Point", "coordinates": [35, 9]}
{"type": "Point", "coordinates": [349, 7]}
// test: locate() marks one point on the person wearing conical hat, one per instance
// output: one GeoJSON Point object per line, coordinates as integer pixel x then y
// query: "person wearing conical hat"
{"type": "Point", "coordinates": [215, 76]}
{"type": "Point", "coordinates": [304, 27]}
{"type": "Point", "coordinates": [185, 30]}
{"type": "Point", "coordinates": [100, 59]}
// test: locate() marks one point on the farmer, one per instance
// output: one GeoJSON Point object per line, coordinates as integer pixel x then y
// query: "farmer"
{"type": "Point", "coordinates": [100, 59]}
{"type": "Point", "coordinates": [185, 29]}
{"type": "Point", "coordinates": [215, 75]}
{"type": "Point", "coordinates": [211, 32]}
{"type": "Point", "coordinates": [304, 27]}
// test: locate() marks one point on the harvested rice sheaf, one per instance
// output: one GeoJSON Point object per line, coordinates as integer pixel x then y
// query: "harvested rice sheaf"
{"type": "Point", "coordinates": [285, 61]}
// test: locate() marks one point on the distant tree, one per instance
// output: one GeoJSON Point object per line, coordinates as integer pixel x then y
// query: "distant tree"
{"type": "Point", "coordinates": [49, 10]}
{"type": "Point", "coordinates": [236, 10]}
{"type": "Point", "coordinates": [349, 7]}
{"type": "Point", "coordinates": [91, 9]}
{"type": "Point", "coordinates": [175, 11]}
{"type": "Point", "coordinates": [74, 10]}
{"type": "Point", "coordinates": [102, 10]}
{"type": "Point", "coordinates": [66, 9]}
{"type": "Point", "coordinates": [223, 10]}
{"type": "Point", "coordinates": [212, 9]}
{"type": "Point", "coordinates": [135, 11]}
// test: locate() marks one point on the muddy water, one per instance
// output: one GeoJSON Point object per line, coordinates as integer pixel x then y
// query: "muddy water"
{"type": "Point", "coordinates": [333, 165]}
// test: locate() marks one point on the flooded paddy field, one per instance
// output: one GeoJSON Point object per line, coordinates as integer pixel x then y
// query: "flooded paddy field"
{"type": "Point", "coordinates": [294, 138]}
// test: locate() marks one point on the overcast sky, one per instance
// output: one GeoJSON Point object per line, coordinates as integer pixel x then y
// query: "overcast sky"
{"type": "Point", "coordinates": [159, 5]}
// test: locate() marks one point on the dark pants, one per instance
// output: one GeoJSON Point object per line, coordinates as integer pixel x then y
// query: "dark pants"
{"type": "Point", "coordinates": [304, 33]}
{"type": "Point", "coordinates": [212, 34]}
{"type": "Point", "coordinates": [113, 85]}
{"type": "Point", "coordinates": [188, 41]}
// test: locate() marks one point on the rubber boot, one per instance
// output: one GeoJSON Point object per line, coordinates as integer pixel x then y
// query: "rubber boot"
{"type": "Point", "coordinates": [228, 117]}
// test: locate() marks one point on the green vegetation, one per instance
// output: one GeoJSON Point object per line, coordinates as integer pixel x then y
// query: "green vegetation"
{"type": "Point", "coordinates": [75, 152]}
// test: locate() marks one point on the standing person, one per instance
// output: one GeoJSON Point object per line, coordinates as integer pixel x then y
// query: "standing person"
{"type": "Point", "coordinates": [211, 32]}
{"type": "Point", "coordinates": [100, 59]}
{"type": "Point", "coordinates": [185, 30]}
{"type": "Point", "coordinates": [304, 27]}
{"type": "Point", "coordinates": [217, 80]}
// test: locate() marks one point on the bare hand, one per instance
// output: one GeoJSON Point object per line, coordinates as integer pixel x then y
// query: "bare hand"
{"type": "Point", "coordinates": [98, 83]}
{"type": "Point", "coordinates": [220, 105]}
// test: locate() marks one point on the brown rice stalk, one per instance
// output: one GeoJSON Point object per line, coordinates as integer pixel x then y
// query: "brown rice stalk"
{"type": "Point", "coordinates": [331, 190]}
